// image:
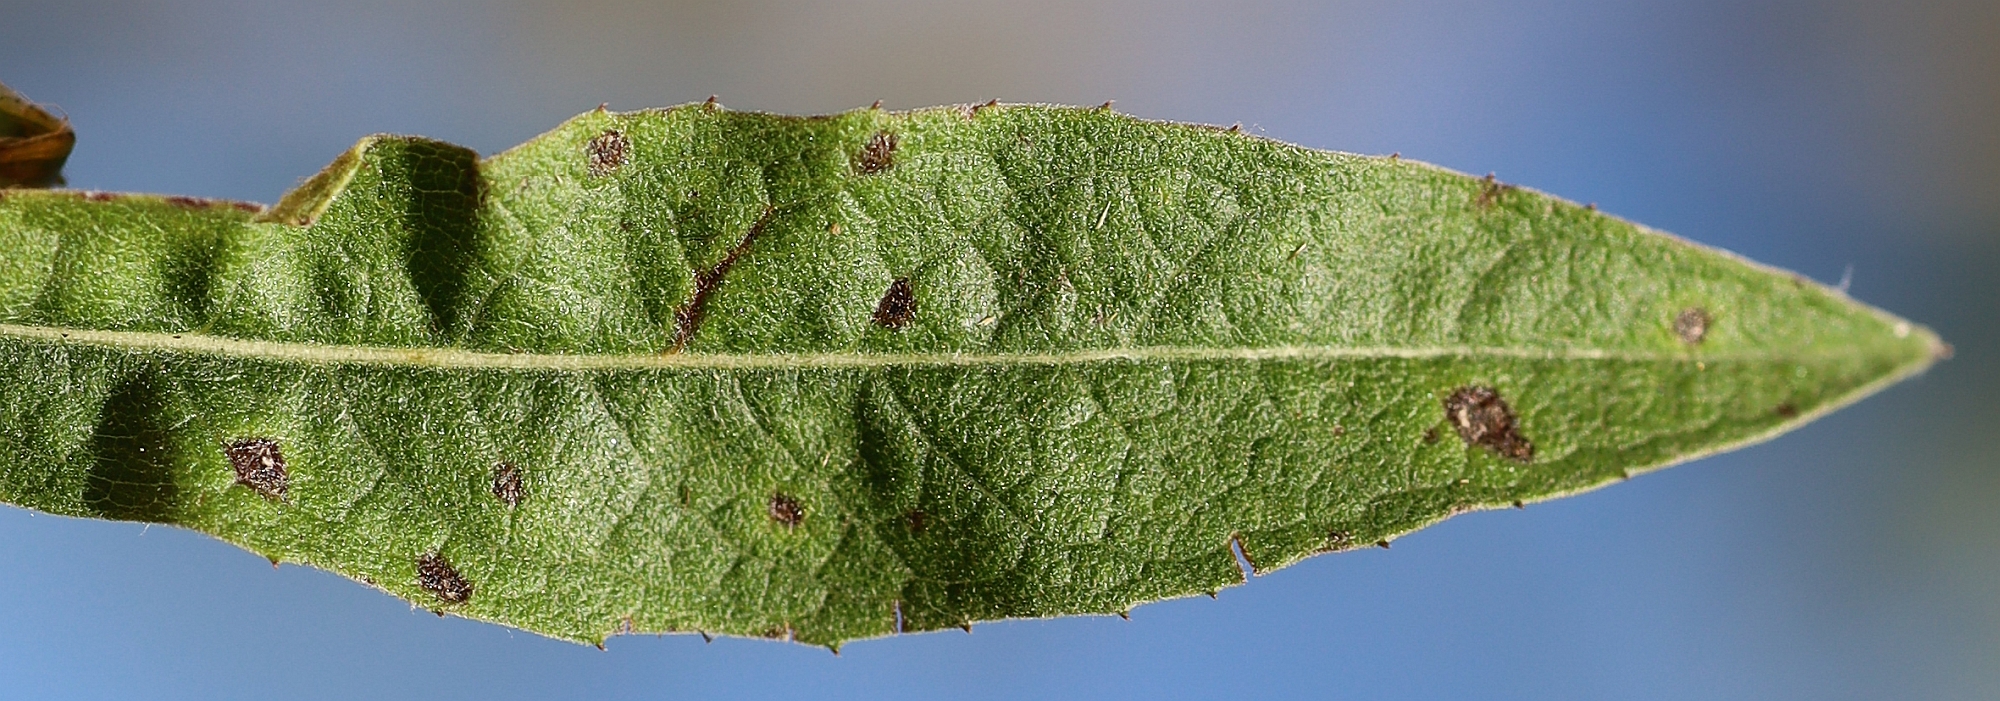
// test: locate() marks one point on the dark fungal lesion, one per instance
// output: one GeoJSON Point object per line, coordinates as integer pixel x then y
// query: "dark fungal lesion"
{"type": "Point", "coordinates": [688, 318]}
{"type": "Point", "coordinates": [786, 510]}
{"type": "Point", "coordinates": [437, 576]}
{"type": "Point", "coordinates": [877, 154]}
{"type": "Point", "coordinates": [1483, 419]}
{"type": "Point", "coordinates": [259, 465]}
{"type": "Point", "coordinates": [607, 152]}
{"type": "Point", "coordinates": [1490, 191]}
{"type": "Point", "coordinates": [508, 486]}
{"type": "Point", "coordinates": [1691, 325]}
{"type": "Point", "coordinates": [898, 305]}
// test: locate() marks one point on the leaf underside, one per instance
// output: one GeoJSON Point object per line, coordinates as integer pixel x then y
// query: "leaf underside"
{"type": "Point", "coordinates": [839, 377]}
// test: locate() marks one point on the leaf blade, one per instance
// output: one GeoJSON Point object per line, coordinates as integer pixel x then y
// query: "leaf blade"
{"type": "Point", "coordinates": [1128, 345]}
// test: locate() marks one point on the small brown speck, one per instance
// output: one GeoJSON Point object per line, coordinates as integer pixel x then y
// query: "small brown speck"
{"type": "Point", "coordinates": [250, 207]}
{"type": "Point", "coordinates": [608, 152]}
{"type": "Point", "coordinates": [898, 305]}
{"type": "Point", "coordinates": [786, 510]}
{"type": "Point", "coordinates": [1787, 410]}
{"type": "Point", "coordinates": [1692, 325]}
{"type": "Point", "coordinates": [917, 521]}
{"type": "Point", "coordinates": [259, 465]}
{"type": "Point", "coordinates": [507, 485]}
{"type": "Point", "coordinates": [1490, 190]}
{"type": "Point", "coordinates": [1431, 435]}
{"type": "Point", "coordinates": [1383, 544]}
{"type": "Point", "coordinates": [1339, 539]}
{"type": "Point", "coordinates": [96, 196]}
{"type": "Point", "coordinates": [442, 580]}
{"type": "Point", "coordinates": [1519, 505]}
{"type": "Point", "coordinates": [189, 202]}
{"type": "Point", "coordinates": [1485, 420]}
{"type": "Point", "coordinates": [877, 155]}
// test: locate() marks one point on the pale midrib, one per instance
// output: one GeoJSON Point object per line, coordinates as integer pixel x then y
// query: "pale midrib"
{"type": "Point", "coordinates": [199, 344]}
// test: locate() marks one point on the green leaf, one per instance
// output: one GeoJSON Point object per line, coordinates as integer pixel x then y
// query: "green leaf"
{"type": "Point", "coordinates": [838, 377]}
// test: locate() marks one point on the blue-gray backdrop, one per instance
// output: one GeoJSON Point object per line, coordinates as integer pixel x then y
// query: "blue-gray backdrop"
{"type": "Point", "coordinates": [1857, 558]}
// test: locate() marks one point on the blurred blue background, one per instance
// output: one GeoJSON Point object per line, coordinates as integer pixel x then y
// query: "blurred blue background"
{"type": "Point", "coordinates": [1856, 558]}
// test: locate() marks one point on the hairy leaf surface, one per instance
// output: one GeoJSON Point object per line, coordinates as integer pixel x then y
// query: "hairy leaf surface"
{"type": "Point", "coordinates": [839, 377]}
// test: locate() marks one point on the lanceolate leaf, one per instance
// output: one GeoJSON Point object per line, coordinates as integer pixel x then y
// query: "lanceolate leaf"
{"type": "Point", "coordinates": [839, 377]}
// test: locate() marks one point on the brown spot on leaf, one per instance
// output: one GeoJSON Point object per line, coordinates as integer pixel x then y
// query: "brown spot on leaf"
{"type": "Point", "coordinates": [185, 202]}
{"type": "Point", "coordinates": [1787, 410]}
{"type": "Point", "coordinates": [259, 465]}
{"type": "Point", "coordinates": [1490, 191]}
{"type": "Point", "coordinates": [1431, 435]}
{"type": "Point", "coordinates": [607, 152]}
{"type": "Point", "coordinates": [1692, 325]}
{"type": "Point", "coordinates": [507, 485]}
{"type": "Point", "coordinates": [442, 580]}
{"type": "Point", "coordinates": [250, 207]}
{"type": "Point", "coordinates": [1339, 539]}
{"type": "Point", "coordinates": [898, 305]}
{"type": "Point", "coordinates": [786, 510]}
{"type": "Point", "coordinates": [1484, 419]}
{"type": "Point", "coordinates": [98, 196]}
{"type": "Point", "coordinates": [687, 319]}
{"type": "Point", "coordinates": [877, 155]}
{"type": "Point", "coordinates": [917, 521]}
